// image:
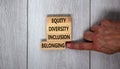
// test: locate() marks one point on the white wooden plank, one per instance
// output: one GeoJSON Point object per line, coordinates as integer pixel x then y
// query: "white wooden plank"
{"type": "Point", "coordinates": [66, 59]}
{"type": "Point", "coordinates": [13, 34]}
{"type": "Point", "coordinates": [104, 9]}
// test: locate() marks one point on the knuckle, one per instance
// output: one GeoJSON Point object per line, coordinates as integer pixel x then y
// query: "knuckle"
{"type": "Point", "coordinates": [85, 35]}
{"type": "Point", "coordinates": [101, 29]}
{"type": "Point", "coordinates": [105, 22]}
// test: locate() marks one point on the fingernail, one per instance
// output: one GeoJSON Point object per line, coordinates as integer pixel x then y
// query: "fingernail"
{"type": "Point", "coordinates": [68, 44]}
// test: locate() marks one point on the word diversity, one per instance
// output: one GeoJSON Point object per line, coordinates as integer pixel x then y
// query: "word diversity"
{"type": "Point", "coordinates": [58, 29]}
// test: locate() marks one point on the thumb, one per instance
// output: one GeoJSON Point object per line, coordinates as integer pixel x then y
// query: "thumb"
{"type": "Point", "coordinates": [80, 45]}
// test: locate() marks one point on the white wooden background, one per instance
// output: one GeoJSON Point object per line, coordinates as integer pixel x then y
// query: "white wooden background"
{"type": "Point", "coordinates": [22, 27]}
{"type": "Point", "coordinates": [13, 34]}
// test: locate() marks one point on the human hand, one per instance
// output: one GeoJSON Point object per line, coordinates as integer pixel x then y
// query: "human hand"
{"type": "Point", "coordinates": [105, 38]}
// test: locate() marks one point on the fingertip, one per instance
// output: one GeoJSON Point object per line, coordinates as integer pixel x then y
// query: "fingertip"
{"type": "Point", "coordinates": [73, 45]}
{"type": "Point", "coordinates": [68, 44]}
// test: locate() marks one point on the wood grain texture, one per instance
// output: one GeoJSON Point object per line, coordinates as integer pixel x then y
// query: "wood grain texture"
{"type": "Point", "coordinates": [13, 34]}
{"type": "Point", "coordinates": [66, 59]}
{"type": "Point", "coordinates": [104, 9]}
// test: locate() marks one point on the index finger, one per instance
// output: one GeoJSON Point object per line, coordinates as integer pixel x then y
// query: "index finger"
{"type": "Point", "coordinates": [80, 45]}
{"type": "Point", "coordinates": [88, 46]}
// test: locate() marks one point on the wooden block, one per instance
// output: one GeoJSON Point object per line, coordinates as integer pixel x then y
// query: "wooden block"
{"type": "Point", "coordinates": [50, 45]}
{"type": "Point", "coordinates": [58, 28]}
{"type": "Point", "coordinates": [59, 37]}
{"type": "Point", "coordinates": [56, 19]}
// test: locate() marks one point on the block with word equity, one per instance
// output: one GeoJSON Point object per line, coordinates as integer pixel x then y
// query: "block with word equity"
{"type": "Point", "coordinates": [58, 28]}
